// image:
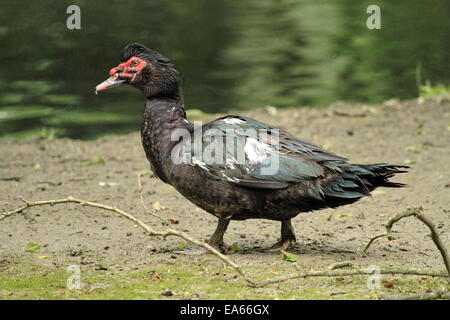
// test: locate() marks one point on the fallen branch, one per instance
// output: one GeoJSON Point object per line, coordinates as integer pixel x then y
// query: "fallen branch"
{"type": "Point", "coordinates": [414, 212]}
{"type": "Point", "coordinates": [439, 294]}
{"type": "Point", "coordinates": [353, 272]}
{"type": "Point", "coordinates": [171, 232]}
{"type": "Point", "coordinates": [139, 222]}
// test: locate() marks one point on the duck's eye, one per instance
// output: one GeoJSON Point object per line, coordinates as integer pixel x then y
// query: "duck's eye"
{"type": "Point", "coordinates": [134, 63]}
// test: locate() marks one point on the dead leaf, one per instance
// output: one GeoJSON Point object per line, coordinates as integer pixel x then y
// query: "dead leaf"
{"type": "Point", "coordinates": [414, 149]}
{"type": "Point", "coordinates": [289, 257]}
{"type": "Point", "coordinates": [377, 192]}
{"type": "Point", "coordinates": [157, 206]}
{"type": "Point", "coordinates": [155, 277]}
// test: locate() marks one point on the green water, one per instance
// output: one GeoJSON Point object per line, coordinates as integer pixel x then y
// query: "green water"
{"type": "Point", "coordinates": [233, 54]}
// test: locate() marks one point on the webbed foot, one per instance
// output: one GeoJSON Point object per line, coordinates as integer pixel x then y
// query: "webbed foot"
{"type": "Point", "coordinates": [222, 247]}
{"type": "Point", "coordinates": [288, 240]}
{"type": "Point", "coordinates": [284, 244]}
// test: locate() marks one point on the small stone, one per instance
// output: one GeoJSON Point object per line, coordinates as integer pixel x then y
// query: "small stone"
{"type": "Point", "coordinates": [335, 293]}
{"type": "Point", "coordinates": [167, 293]}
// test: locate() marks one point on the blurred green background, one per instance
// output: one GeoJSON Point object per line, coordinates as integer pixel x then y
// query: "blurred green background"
{"type": "Point", "coordinates": [233, 54]}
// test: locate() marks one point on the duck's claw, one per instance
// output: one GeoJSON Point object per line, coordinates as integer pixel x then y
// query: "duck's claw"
{"type": "Point", "coordinates": [222, 247]}
{"type": "Point", "coordinates": [283, 244]}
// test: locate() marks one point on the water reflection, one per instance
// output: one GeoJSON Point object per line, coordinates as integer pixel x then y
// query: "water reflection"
{"type": "Point", "coordinates": [234, 54]}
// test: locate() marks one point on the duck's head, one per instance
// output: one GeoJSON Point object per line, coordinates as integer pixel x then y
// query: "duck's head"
{"type": "Point", "coordinates": [147, 70]}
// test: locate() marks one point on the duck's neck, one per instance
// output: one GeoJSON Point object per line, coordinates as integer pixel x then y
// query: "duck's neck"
{"type": "Point", "coordinates": [162, 117]}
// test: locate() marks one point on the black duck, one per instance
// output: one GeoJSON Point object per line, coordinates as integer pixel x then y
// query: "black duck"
{"type": "Point", "coordinates": [237, 168]}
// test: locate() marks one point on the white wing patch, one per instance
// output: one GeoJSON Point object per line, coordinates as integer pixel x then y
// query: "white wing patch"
{"type": "Point", "coordinates": [233, 121]}
{"type": "Point", "coordinates": [229, 178]}
{"type": "Point", "coordinates": [231, 162]}
{"type": "Point", "coordinates": [199, 163]}
{"type": "Point", "coordinates": [256, 151]}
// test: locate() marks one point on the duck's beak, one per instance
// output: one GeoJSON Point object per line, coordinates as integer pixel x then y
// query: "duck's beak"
{"type": "Point", "coordinates": [111, 82]}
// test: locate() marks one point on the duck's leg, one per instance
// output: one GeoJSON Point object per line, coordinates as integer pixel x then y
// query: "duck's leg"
{"type": "Point", "coordinates": [216, 239]}
{"type": "Point", "coordinates": [287, 240]}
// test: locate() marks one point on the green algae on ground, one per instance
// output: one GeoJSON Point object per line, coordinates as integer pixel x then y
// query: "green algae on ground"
{"type": "Point", "coordinates": [211, 280]}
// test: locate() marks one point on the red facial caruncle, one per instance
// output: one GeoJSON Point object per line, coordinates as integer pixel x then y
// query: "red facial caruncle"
{"type": "Point", "coordinates": [133, 66]}
{"type": "Point", "coordinates": [124, 72]}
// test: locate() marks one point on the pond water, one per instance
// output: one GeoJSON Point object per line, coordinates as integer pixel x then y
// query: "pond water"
{"type": "Point", "coordinates": [233, 54]}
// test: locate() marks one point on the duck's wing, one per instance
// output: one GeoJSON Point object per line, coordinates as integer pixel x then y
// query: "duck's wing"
{"type": "Point", "coordinates": [252, 154]}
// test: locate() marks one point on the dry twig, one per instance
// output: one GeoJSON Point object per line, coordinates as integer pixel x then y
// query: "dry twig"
{"type": "Point", "coordinates": [251, 282]}
{"type": "Point", "coordinates": [438, 294]}
{"type": "Point", "coordinates": [414, 212]}
{"type": "Point", "coordinates": [353, 272]}
{"type": "Point", "coordinates": [139, 222]}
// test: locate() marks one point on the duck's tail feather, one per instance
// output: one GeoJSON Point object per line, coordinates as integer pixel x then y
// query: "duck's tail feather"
{"type": "Point", "coordinates": [381, 172]}
{"type": "Point", "coordinates": [358, 180]}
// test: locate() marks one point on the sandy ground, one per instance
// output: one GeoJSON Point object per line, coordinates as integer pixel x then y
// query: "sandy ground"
{"type": "Point", "coordinates": [417, 132]}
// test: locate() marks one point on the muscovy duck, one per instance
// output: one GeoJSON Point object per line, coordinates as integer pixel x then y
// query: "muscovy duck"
{"type": "Point", "coordinates": [235, 167]}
